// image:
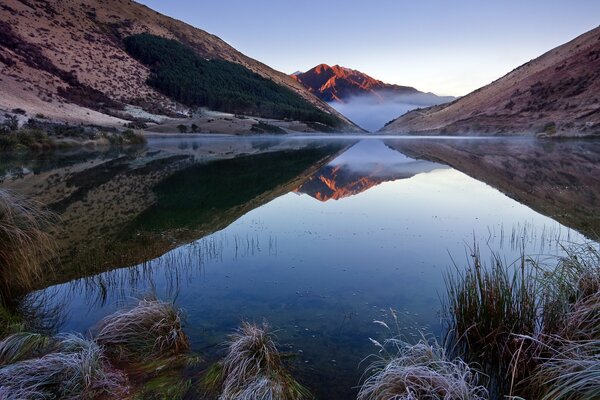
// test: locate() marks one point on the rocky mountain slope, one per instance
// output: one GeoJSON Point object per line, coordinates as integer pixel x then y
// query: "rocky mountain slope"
{"type": "Point", "coordinates": [557, 93]}
{"type": "Point", "coordinates": [340, 84]}
{"type": "Point", "coordinates": [66, 60]}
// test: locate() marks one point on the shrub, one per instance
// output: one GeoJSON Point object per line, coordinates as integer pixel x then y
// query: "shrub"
{"type": "Point", "coordinates": [30, 138]}
{"type": "Point", "coordinates": [132, 137]}
{"type": "Point", "coordinates": [182, 128]}
{"type": "Point", "coordinates": [263, 127]}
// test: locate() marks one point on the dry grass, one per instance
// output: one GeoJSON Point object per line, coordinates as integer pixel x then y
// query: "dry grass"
{"type": "Point", "coordinates": [78, 371]}
{"type": "Point", "coordinates": [525, 320]}
{"type": "Point", "coordinates": [420, 372]}
{"type": "Point", "coordinates": [570, 369]}
{"type": "Point", "coordinates": [252, 368]}
{"type": "Point", "coordinates": [405, 371]}
{"type": "Point", "coordinates": [151, 329]}
{"type": "Point", "coordinates": [572, 373]}
{"type": "Point", "coordinates": [23, 346]}
{"type": "Point", "coordinates": [25, 243]}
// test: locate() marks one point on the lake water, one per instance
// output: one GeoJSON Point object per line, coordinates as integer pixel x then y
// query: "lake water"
{"type": "Point", "coordinates": [319, 237]}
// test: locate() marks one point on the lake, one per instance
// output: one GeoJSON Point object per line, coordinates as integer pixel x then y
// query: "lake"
{"type": "Point", "coordinates": [319, 236]}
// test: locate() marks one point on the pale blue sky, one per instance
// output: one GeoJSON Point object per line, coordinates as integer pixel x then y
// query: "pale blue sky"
{"type": "Point", "coordinates": [447, 47]}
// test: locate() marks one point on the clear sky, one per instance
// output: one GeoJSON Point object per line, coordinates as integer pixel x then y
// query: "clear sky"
{"type": "Point", "coordinates": [447, 47]}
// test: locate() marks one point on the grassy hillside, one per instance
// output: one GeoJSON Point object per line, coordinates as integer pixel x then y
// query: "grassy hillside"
{"type": "Point", "coordinates": [180, 73]}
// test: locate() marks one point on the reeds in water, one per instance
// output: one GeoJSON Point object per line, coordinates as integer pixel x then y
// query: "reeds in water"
{"type": "Point", "coordinates": [524, 320]}
{"type": "Point", "coordinates": [151, 329]}
{"type": "Point", "coordinates": [253, 369]}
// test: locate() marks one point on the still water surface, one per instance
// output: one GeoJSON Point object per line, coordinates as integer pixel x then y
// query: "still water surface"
{"type": "Point", "coordinates": [319, 257]}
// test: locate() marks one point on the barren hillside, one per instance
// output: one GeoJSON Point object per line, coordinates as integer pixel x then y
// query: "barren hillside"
{"type": "Point", "coordinates": [555, 94]}
{"type": "Point", "coordinates": [65, 59]}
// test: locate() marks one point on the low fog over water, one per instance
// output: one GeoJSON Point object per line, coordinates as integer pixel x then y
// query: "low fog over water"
{"type": "Point", "coordinates": [372, 113]}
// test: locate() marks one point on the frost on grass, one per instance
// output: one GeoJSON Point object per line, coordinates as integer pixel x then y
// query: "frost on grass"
{"type": "Point", "coordinates": [77, 370]}
{"type": "Point", "coordinates": [151, 329]}
{"type": "Point", "coordinates": [420, 371]}
{"type": "Point", "coordinates": [252, 368]}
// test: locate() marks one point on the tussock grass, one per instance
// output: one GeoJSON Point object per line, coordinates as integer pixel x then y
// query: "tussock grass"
{"type": "Point", "coordinates": [253, 369]}
{"type": "Point", "coordinates": [25, 243]}
{"type": "Point", "coordinates": [151, 329]}
{"type": "Point", "coordinates": [579, 277]}
{"type": "Point", "coordinates": [572, 373]}
{"type": "Point", "coordinates": [487, 306]}
{"type": "Point", "coordinates": [78, 371]}
{"type": "Point", "coordinates": [24, 345]}
{"type": "Point", "coordinates": [525, 320]}
{"type": "Point", "coordinates": [420, 371]}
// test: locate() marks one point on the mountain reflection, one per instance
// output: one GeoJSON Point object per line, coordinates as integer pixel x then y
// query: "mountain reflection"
{"type": "Point", "coordinates": [560, 179]}
{"type": "Point", "coordinates": [366, 164]}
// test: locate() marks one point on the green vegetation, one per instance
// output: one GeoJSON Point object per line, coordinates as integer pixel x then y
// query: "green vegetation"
{"type": "Point", "coordinates": [263, 127]}
{"type": "Point", "coordinates": [489, 305]}
{"type": "Point", "coordinates": [525, 320]}
{"type": "Point", "coordinates": [253, 369]}
{"type": "Point", "coordinates": [127, 137]}
{"type": "Point", "coordinates": [204, 194]}
{"type": "Point", "coordinates": [33, 139]}
{"type": "Point", "coordinates": [179, 72]}
{"type": "Point", "coordinates": [152, 329]}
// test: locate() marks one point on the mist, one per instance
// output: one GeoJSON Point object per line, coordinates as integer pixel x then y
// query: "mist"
{"type": "Point", "coordinates": [372, 113]}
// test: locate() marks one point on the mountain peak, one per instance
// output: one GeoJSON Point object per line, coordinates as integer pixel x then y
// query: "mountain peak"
{"type": "Point", "coordinates": [339, 83]}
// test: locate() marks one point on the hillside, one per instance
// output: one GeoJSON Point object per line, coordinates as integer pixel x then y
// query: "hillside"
{"type": "Point", "coordinates": [340, 84]}
{"type": "Point", "coordinates": [556, 94]}
{"type": "Point", "coordinates": [67, 60]}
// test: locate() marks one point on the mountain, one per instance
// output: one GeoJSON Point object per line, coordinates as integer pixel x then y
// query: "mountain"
{"type": "Point", "coordinates": [365, 100]}
{"type": "Point", "coordinates": [340, 84]}
{"type": "Point", "coordinates": [365, 165]}
{"type": "Point", "coordinates": [556, 94]}
{"type": "Point", "coordinates": [71, 61]}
